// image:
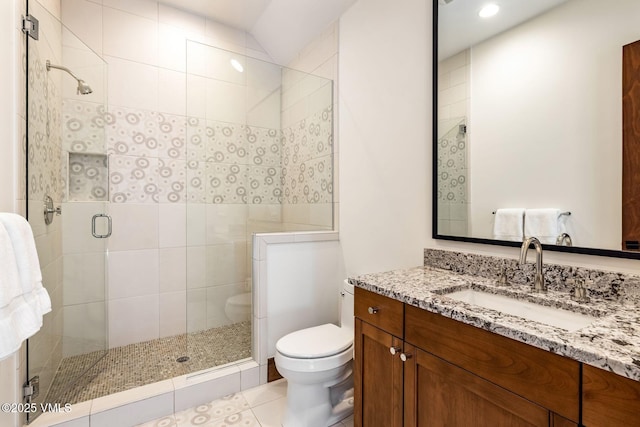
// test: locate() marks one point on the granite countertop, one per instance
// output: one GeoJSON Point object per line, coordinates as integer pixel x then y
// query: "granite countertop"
{"type": "Point", "coordinates": [611, 342]}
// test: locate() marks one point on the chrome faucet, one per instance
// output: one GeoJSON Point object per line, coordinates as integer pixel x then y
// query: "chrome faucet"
{"type": "Point", "coordinates": [564, 239]}
{"type": "Point", "coordinates": [538, 282]}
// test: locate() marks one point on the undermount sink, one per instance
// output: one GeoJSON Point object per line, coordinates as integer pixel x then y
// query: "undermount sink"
{"type": "Point", "coordinates": [564, 319]}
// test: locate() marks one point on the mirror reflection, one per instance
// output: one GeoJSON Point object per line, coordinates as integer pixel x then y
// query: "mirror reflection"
{"type": "Point", "coordinates": [530, 118]}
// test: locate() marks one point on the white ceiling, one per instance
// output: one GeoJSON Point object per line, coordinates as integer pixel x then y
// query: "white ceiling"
{"type": "Point", "coordinates": [282, 27]}
{"type": "Point", "coordinates": [459, 25]}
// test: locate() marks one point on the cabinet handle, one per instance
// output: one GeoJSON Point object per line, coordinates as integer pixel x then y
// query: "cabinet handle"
{"type": "Point", "coordinates": [373, 310]}
{"type": "Point", "coordinates": [405, 356]}
{"type": "Point", "coordinates": [394, 350]}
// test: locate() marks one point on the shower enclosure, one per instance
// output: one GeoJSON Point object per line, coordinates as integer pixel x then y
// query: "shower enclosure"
{"type": "Point", "coordinates": [148, 259]}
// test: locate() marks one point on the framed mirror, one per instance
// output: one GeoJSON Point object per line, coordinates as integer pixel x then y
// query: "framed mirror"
{"type": "Point", "coordinates": [528, 114]}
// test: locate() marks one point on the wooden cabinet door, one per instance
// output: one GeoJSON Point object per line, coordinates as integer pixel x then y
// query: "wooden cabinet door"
{"type": "Point", "coordinates": [442, 394]}
{"type": "Point", "coordinates": [558, 421]}
{"type": "Point", "coordinates": [630, 146]}
{"type": "Point", "coordinates": [609, 399]}
{"type": "Point", "coordinates": [377, 378]}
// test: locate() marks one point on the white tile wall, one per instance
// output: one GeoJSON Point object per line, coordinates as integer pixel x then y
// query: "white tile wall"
{"type": "Point", "coordinates": [226, 263]}
{"type": "Point", "coordinates": [226, 102]}
{"type": "Point", "coordinates": [172, 225]}
{"type": "Point", "coordinates": [143, 8]}
{"type": "Point", "coordinates": [172, 97]}
{"type": "Point", "coordinates": [84, 277]}
{"type": "Point", "coordinates": [85, 18]}
{"type": "Point", "coordinates": [196, 267]}
{"type": "Point", "coordinates": [196, 218]}
{"type": "Point", "coordinates": [84, 328]}
{"type": "Point", "coordinates": [196, 95]}
{"type": "Point", "coordinates": [172, 54]}
{"type": "Point", "coordinates": [173, 313]}
{"type": "Point", "coordinates": [133, 273]}
{"type": "Point", "coordinates": [133, 320]}
{"type": "Point", "coordinates": [173, 269]}
{"type": "Point", "coordinates": [196, 309]}
{"type": "Point", "coordinates": [193, 25]}
{"type": "Point", "coordinates": [121, 28]}
{"type": "Point", "coordinates": [135, 226]}
{"type": "Point", "coordinates": [132, 84]}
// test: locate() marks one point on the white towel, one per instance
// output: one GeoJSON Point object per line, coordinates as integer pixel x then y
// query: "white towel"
{"type": "Point", "coordinates": [543, 224]}
{"type": "Point", "coordinates": [10, 286]}
{"type": "Point", "coordinates": [508, 224]}
{"type": "Point", "coordinates": [23, 300]}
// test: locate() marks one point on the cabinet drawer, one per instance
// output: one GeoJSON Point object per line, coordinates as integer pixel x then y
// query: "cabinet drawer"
{"type": "Point", "coordinates": [547, 379]}
{"type": "Point", "coordinates": [383, 312]}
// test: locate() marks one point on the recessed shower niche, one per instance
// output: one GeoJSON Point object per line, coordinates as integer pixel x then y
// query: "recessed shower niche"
{"type": "Point", "coordinates": [88, 176]}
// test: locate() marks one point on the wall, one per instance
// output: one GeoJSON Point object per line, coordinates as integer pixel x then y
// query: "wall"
{"type": "Point", "coordinates": [573, 161]}
{"type": "Point", "coordinates": [384, 116]}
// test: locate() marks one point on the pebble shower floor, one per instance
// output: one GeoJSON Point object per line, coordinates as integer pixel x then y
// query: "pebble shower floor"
{"type": "Point", "coordinates": [135, 365]}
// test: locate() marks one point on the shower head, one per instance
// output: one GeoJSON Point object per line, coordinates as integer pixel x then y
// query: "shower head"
{"type": "Point", "coordinates": [83, 88]}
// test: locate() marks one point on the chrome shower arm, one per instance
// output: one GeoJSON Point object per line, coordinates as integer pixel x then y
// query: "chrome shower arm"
{"type": "Point", "coordinates": [60, 67]}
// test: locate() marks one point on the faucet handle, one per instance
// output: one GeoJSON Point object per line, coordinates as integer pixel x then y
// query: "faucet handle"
{"type": "Point", "coordinates": [502, 277]}
{"type": "Point", "coordinates": [580, 291]}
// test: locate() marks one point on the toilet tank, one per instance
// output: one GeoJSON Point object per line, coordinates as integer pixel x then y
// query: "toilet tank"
{"type": "Point", "coordinates": [346, 305]}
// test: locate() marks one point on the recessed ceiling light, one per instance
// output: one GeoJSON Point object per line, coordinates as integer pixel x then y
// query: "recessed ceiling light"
{"type": "Point", "coordinates": [489, 10]}
{"type": "Point", "coordinates": [237, 65]}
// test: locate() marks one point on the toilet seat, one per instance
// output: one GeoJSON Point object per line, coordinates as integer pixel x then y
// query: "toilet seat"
{"type": "Point", "coordinates": [316, 342]}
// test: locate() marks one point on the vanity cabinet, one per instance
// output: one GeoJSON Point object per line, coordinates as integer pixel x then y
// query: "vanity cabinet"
{"type": "Point", "coordinates": [609, 399]}
{"type": "Point", "coordinates": [444, 372]}
{"type": "Point", "coordinates": [378, 374]}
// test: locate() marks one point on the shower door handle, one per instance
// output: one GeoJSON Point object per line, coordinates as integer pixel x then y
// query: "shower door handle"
{"type": "Point", "coordinates": [93, 226]}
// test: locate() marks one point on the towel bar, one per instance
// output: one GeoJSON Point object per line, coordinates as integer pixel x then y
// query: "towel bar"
{"type": "Point", "coordinates": [561, 213]}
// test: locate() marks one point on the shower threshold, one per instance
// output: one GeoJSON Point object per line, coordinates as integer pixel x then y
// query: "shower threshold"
{"type": "Point", "coordinates": [135, 365]}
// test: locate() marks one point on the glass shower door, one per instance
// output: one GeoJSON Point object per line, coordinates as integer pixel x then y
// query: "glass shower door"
{"type": "Point", "coordinates": [67, 186]}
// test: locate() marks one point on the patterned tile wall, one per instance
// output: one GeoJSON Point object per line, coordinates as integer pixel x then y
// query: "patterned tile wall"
{"type": "Point", "coordinates": [452, 166]}
{"type": "Point", "coordinates": [307, 168]}
{"type": "Point", "coordinates": [232, 163]}
{"type": "Point", "coordinates": [44, 133]}
{"type": "Point", "coordinates": [159, 158]}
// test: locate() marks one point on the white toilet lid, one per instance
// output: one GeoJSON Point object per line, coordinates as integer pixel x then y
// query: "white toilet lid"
{"type": "Point", "coordinates": [319, 341]}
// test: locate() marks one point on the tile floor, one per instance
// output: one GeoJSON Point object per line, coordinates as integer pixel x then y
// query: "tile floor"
{"type": "Point", "coordinates": [262, 406]}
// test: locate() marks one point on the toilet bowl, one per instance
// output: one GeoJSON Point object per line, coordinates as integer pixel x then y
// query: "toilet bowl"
{"type": "Point", "coordinates": [317, 363]}
{"type": "Point", "coordinates": [238, 307]}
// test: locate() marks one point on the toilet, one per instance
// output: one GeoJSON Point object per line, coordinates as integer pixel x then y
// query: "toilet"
{"type": "Point", "coordinates": [317, 363]}
{"type": "Point", "coordinates": [238, 307]}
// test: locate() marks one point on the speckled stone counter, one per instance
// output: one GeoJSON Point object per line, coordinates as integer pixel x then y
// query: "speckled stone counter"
{"type": "Point", "coordinates": [611, 342]}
